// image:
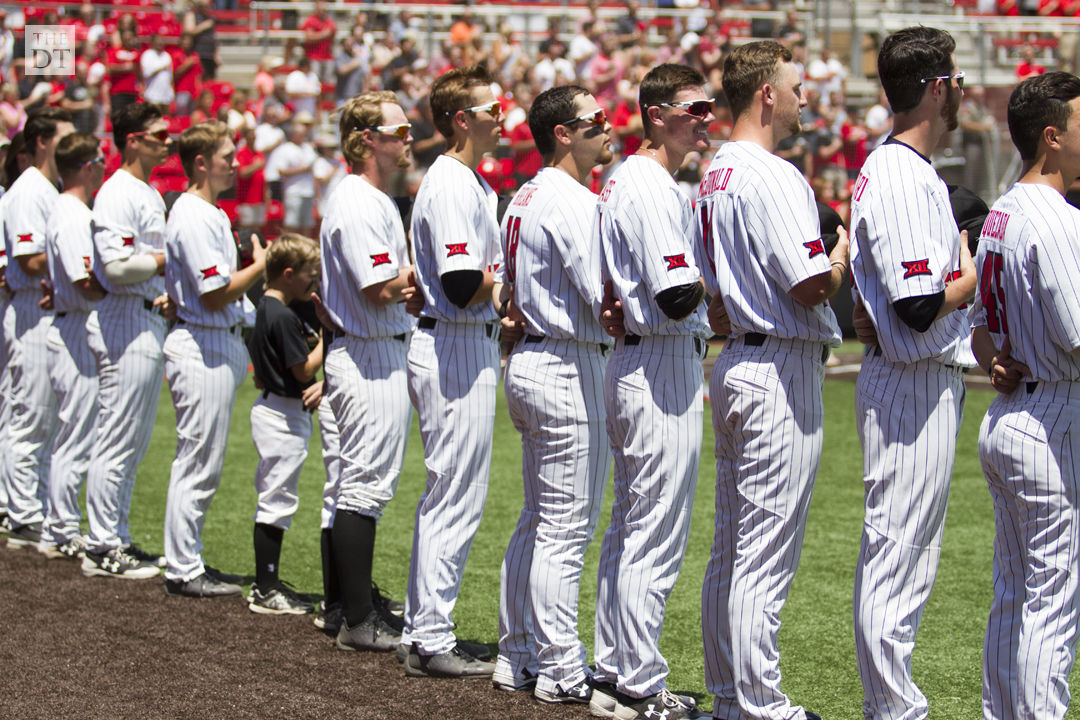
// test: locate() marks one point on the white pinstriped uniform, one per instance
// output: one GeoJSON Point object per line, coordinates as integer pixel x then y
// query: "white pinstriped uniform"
{"type": "Point", "coordinates": [908, 404]}
{"type": "Point", "coordinates": [362, 242]}
{"type": "Point", "coordinates": [205, 363]}
{"type": "Point", "coordinates": [1028, 261]}
{"type": "Point", "coordinates": [555, 394]}
{"type": "Point", "coordinates": [129, 219]}
{"type": "Point", "coordinates": [5, 375]}
{"type": "Point", "coordinates": [653, 396]}
{"type": "Point", "coordinates": [32, 423]}
{"type": "Point", "coordinates": [453, 370]}
{"type": "Point", "coordinates": [762, 237]}
{"type": "Point", "coordinates": [330, 438]}
{"type": "Point", "coordinates": [72, 370]}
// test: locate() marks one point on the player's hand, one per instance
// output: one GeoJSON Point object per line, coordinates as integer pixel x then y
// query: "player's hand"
{"type": "Point", "coordinates": [159, 258]}
{"type": "Point", "coordinates": [611, 314]}
{"type": "Point", "coordinates": [46, 301]}
{"type": "Point", "coordinates": [718, 316]}
{"type": "Point", "coordinates": [513, 325]}
{"type": "Point", "coordinates": [841, 252]}
{"type": "Point", "coordinates": [322, 313]}
{"type": "Point", "coordinates": [312, 396]}
{"type": "Point", "coordinates": [865, 331]}
{"type": "Point", "coordinates": [414, 299]}
{"type": "Point", "coordinates": [967, 268]}
{"type": "Point", "coordinates": [166, 307]}
{"type": "Point", "coordinates": [1006, 373]}
{"type": "Point", "coordinates": [258, 249]}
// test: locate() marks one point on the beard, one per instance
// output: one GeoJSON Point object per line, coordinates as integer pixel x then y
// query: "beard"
{"type": "Point", "coordinates": [405, 159]}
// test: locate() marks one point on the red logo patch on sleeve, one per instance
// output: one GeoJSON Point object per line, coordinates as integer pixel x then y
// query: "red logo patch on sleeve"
{"type": "Point", "coordinates": [456, 249]}
{"type": "Point", "coordinates": [675, 261]}
{"type": "Point", "coordinates": [816, 247]}
{"type": "Point", "coordinates": [380, 259]}
{"type": "Point", "coordinates": [28, 237]}
{"type": "Point", "coordinates": [209, 272]}
{"type": "Point", "coordinates": [128, 241]}
{"type": "Point", "coordinates": [914, 268]}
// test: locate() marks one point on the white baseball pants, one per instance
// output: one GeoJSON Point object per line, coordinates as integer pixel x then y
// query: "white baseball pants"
{"type": "Point", "coordinates": [280, 429]}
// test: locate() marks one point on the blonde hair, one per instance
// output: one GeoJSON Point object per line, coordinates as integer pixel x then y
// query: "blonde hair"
{"type": "Point", "coordinates": [291, 250]}
{"type": "Point", "coordinates": [361, 111]}
{"type": "Point", "coordinates": [202, 139]}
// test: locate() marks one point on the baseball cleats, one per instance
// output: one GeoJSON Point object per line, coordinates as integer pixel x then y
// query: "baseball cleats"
{"type": "Point", "coordinates": [605, 696]}
{"type": "Point", "coordinates": [477, 650]}
{"type": "Point", "coordinates": [5, 524]}
{"type": "Point", "coordinates": [147, 558]}
{"type": "Point", "coordinates": [328, 618]}
{"type": "Point", "coordinates": [375, 633]}
{"type": "Point", "coordinates": [383, 601]}
{"type": "Point", "coordinates": [118, 564]}
{"type": "Point", "coordinates": [664, 704]}
{"type": "Point", "coordinates": [455, 663]}
{"type": "Point", "coordinates": [25, 536]}
{"type": "Point", "coordinates": [202, 587]}
{"type": "Point", "coordinates": [222, 576]}
{"type": "Point", "coordinates": [510, 682]}
{"type": "Point", "coordinates": [580, 692]}
{"type": "Point", "coordinates": [278, 600]}
{"type": "Point", "coordinates": [73, 549]}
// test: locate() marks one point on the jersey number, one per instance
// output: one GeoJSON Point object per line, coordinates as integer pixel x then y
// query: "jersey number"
{"type": "Point", "coordinates": [991, 293]}
{"type": "Point", "coordinates": [513, 231]}
{"type": "Point", "coordinates": [707, 235]}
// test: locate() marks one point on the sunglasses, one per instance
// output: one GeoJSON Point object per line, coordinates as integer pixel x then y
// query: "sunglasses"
{"type": "Point", "coordinates": [96, 161]}
{"type": "Point", "coordinates": [493, 108]}
{"type": "Point", "coordinates": [596, 118]}
{"type": "Point", "coordinates": [958, 77]}
{"type": "Point", "coordinates": [159, 135]}
{"type": "Point", "coordinates": [399, 131]}
{"type": "Point", "coordinates": [697, 108]}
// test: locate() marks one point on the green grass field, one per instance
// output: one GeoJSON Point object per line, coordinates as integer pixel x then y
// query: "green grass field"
{"type": "Point", "coordinates": [818, 658]}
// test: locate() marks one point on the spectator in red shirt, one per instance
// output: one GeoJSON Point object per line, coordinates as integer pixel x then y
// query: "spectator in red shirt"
{"type": "Point", "coordinates": [1027, 66]}
{"type": "Point", "coordinates": [250, 181]}
{"type": "Point", "coordinates": [187, 74]}
{"type": "Point", "coordinates": [122, 63]}
{"type": "Point", "coordinates": [1009, 8]}
{"type": "Point", "coordinates": [319, 30]}
{"type": "Point", "coordinates": [626, 120]}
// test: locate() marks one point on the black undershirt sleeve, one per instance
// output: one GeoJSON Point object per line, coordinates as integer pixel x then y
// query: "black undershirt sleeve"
{"type": "Point", "coordinates": [461, 285]}
{"type": "Point", "coordinates": [919, 312]}
{"type": "Point", "coordinates": [679, 301]}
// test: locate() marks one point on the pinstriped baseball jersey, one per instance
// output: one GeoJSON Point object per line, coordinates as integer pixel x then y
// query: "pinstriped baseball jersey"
{"type": "Point", "coordinates": [200, 257]}
{"type": "Point", "coordinates": [761, 235]}
{"type": "Point", "coordinates": [3, 246]}
{"type": "Point", "coordinates": [26, 213]}
{"type": "Point", "coordinates": [904, 244]}
{"type": "Point", "coordinates": [552, 258]}
{"type": "Point", "coordinates": [648, 248]}
{"type": "Point", "coordinates": [129, 219]}
{"type": "Point", "coordinates": [362, 242]}
{"type": "Point", "coordinates": [1028, 263]}
{"type": "Point", "coordinates": [68, 245]}
{"type": "Point", "coordinates": [454, 227]}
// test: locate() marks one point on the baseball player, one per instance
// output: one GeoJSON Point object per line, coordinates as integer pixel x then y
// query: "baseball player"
{"type": "Point", "coordinates": [32, 424]}
{"type": "Point", "coordinates": [453, 365]}
{"type": "Point", "coordinates": [1028, 305]}
{"type": "Point", "coordinates": [554, 390]}
{"type": "Point", "coordinates": [128, 332]}
{"type": "Point", "coordinates": [363, 246]}
{"type": "Point", "coordinates": [69, 246]}
{"type": "Point", "coordinates": [328, 613]}
{"type": "Point", "coordinates": [285, 365]}
{"type": "Point", "coordinates": [912, 271]}
{"type": "Point", "coordinates": [761, 234]}
{"type": "Point", "coordinates": [205, 358]}
{"type": "Point", "coordinates": [652, 394]}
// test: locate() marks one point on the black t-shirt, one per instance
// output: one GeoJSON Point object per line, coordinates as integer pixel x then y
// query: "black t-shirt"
{"type": "Point", "coordinates": [278, 342]}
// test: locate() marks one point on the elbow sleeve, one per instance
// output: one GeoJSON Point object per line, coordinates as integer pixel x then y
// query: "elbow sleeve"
{"type": "Point", "coordinates": [131, 270]}
{"type": "Point", "coordinates": [679, 301]}
{"type": "Point", "coordinates": [461, 285]}
{"type": "Point", "coordinates": [919, 313]}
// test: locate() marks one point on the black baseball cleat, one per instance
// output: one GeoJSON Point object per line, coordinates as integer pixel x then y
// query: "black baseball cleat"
{"type": "Point", "coordinates": [202, 586]}
{"type": "Point", "coordinates": [580, 692]}
{"type": "Point", "coordinates": [222, 576]}
{"type": "Point", "coordinates": [512, 682]}
{"type": "Point", "coordinates": [455, 663]}
{"type": "Point", "coordinates": [373, 633]}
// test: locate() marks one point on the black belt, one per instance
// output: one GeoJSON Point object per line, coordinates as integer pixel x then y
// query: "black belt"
{"type": "Point", "coordinates": [429, 323]}
{"type": "Point", "coordinates": [61, 314]}
{"type": "Point", "coordinates": [876, 352]}
{"type": "Point", "coordinates": [232, 328]}
{"type": "Point", "coordinates": [531, 339]}
{"type": "Point", "coordinates": [756, 339]}
{"type": "Point", "coordinates": [630, 340]}
{"type": "Point", "coordinates": [335, 334]}
{"type": "Point", "coordinates": [148, 305]}
{"type": "Point", "coordinates": [1032, 386]}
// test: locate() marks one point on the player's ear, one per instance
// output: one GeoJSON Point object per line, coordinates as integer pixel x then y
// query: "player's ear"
{"type": "Point", "coordinates": [768, 95]}
{"type": "Point", "coordinates": [1050, 137]}
{"type": "Point", "coordinates": [562, 134]}
{"type": "Point", "coordinates": [654, 115]}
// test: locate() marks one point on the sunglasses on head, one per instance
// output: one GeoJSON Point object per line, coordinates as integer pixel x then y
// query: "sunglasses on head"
{"type": "Point", "coordinates": [493, 108]}
{"type": "Point", "coordinates": [159, 135]}
{"type": "Point", "coordinates": [958, 77]}
{"type": "Point", "coordinates": [96, 161]}
{"type": "Point", "coordinates": [596, 118]}
{"type": "Point", "coordinates": [697, 108]}
{"type": "Point", "coordinates": [400, 131]}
